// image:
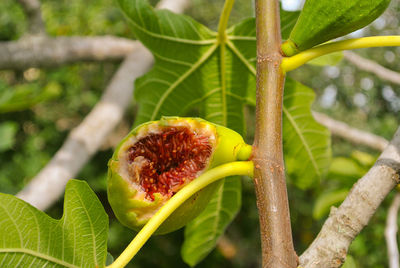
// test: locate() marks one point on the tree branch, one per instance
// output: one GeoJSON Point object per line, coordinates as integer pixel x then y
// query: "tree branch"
{"type": "Point", "coordinates": [391, 232]}
{"type": "Point", "coordinates": [269, 174]}
{"type": "Point", "coordinates": [35, 23]}
{"type": "Point", "coordinates": [330, 247]}
{"type": "Point", "coordinates": [351, 134]}
{"type": "Point", "coordinates": [373, 67]}
{"type": "Point", "coordinates": [42, 51]}
{"type": "Point", "coordinates": [44, 189]}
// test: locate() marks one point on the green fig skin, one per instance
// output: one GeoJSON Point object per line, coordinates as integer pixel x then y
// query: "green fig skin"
{"type": "Point", "coordinates": [324, 20]}
{"type": "Point", "coordinates": [128, 202]}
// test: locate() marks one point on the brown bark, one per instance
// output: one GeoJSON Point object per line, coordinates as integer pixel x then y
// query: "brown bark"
{"type": "Point", "coordinates": [330, 247]}
{"type": "Point", "coordinates": [269, 173]}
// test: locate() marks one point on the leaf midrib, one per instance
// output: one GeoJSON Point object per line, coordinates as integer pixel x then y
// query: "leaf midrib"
{"type": "Point", "coordinates": [191, 70]}
{"type": "Point", "coordinates": [38, 255]}
{"type": "Point", "coordinates": [303, 141]}
{"type": "Point", "coordinates": [91, 229]}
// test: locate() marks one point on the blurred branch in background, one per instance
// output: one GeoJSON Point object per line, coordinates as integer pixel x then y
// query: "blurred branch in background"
{"type": "Point", "coordinates": [42, 51]}
{"type": "Point", "coordinates": [330, 247]}
{"type": "Point", "coordinates": [47, 187]}
{"type": "Point", "coordinates": [391, 232]}
{"type": "Point", "coordinates": [226, 247]}
{"type": "Point", "coordinates": [372, 67]}
{"type": "Point", "coordinates": [34, 15]}
{"type": "Point", "coordinates": [376, 142]}
{"type": "Point", "coordinates": [84, 141]}
{"type": "Point", "coordinates": [351, 134]}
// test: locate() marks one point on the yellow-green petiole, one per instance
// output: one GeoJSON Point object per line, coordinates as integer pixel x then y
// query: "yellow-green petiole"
{"type": "Point", "coordinates": [210, 176]}
{"type": "Point", "coordinates": [293, 62]}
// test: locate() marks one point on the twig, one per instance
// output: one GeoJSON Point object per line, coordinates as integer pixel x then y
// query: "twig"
{"type": "Point", "coordinates": [44, 189]}
{"type": "Point", "coordinates": [269, 174]}
{"type": "Point", "coordinates": [34, 14]}
{"type": "Point", "coordinates": [351, 134]}
{"type": "Point", "coordinates": [42, 51]}
{"type": "Point", "coordinates": [391, 232]}
{"type": "Point", "coordinates": [330, 247]}
{"type": "Point", "coordinates": [373, 67]}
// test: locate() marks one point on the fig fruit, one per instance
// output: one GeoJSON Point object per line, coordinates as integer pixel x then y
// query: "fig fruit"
{"type": "Point", "coordinates": [158, 158]}
{"type": "Point", "coordinates": [324, 20]}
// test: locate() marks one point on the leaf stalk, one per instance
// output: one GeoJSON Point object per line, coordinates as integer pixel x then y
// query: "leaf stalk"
{"type": "Point", "coordinates": [293, 62]}
{"type": "Point", "coordinates": [223, 20]}
{"type": "Point", "coordinates": [222, 38]}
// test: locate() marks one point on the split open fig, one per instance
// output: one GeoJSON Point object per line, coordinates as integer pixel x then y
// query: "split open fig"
{"type": "Point", "coordinates": [159, 158]}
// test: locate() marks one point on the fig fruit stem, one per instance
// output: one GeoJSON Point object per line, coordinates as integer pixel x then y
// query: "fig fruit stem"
{"type": "Point", "coordinates": [293, 62]}
{"type": "Point", "coordinates": [210, 176]}
{"type": "Point", "coordinates": [223, 20]}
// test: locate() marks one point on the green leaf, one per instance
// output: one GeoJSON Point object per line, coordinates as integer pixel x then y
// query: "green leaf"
{"type": "Point", "coordinates": [109, 259]}
{"type": "Point", "coordinates": [350, 262]}
{"type": "Point", "coordinates": [288, 20]}
{"type": "Point", "coordinates": [328, 59]}
{"type": "Point", "coordinates": [202, 233]}
{"type": "Point", "coordinates": [364, 159]}
{"type": "Point", "coordinates": [326, 200]}
{"type": "Point", "coordinates": [346, 168]}
{"type": "Point", "coordinates": [306, 143]}
{"type": "Point", "coordinates": [194, 69]}
{"type": "Point", "coordinates": [30, 238]}
{"type": "Point", "coordinates": [7, 135]}
{"type": "Point", "coordinates": [24, 96]}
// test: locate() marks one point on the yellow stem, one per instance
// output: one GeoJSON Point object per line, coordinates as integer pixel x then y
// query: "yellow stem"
{"type": "Point", "coordinates": [223, 21]}
{"type": "Point", "coordinates": [291, 63]}
{"type": "Point", "coordinates": [210, 176]}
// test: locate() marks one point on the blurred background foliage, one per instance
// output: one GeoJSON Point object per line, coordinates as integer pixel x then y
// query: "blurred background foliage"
{"type": "Point", "coordinates": [38, 108]}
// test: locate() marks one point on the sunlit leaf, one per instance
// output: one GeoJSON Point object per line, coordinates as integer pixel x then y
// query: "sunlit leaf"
{"type": "Point", "coordinates": [194, 69]}
{"type": "Point", "coordinates": [30, 238]}
{"type": "Point", "coordinates": [350, 262]}
{"type": "Point", "coordinates": [328, 59]}
{"type": "Point", "coordinates": [326, 200]}
{"type": "Point", "coordinates": [346, 168]}
{"type": "Point", "coordinates": [306, 143]}
{"type": "Point", "coordinates": [24, 96]}
{"type": "Point", "coordinates": [7, 135]}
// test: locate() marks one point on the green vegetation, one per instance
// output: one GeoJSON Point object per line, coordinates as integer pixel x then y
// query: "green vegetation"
{"type": "Point", "coordinates": [39, 107]}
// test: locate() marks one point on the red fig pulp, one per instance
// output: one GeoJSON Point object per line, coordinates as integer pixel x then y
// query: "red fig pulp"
{"type": "Point", "coordinates": [163, 162]}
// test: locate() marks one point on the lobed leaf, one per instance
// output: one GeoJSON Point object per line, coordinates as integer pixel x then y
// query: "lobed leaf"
{"type": "Point", "coordinates": [196, 70]}
{"type": "Point", "coordinates": [30, 238]}
{"type": "Point", "coordinates": [202, 233]}
{"type": "Point", "coordinates": [306, 143]}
